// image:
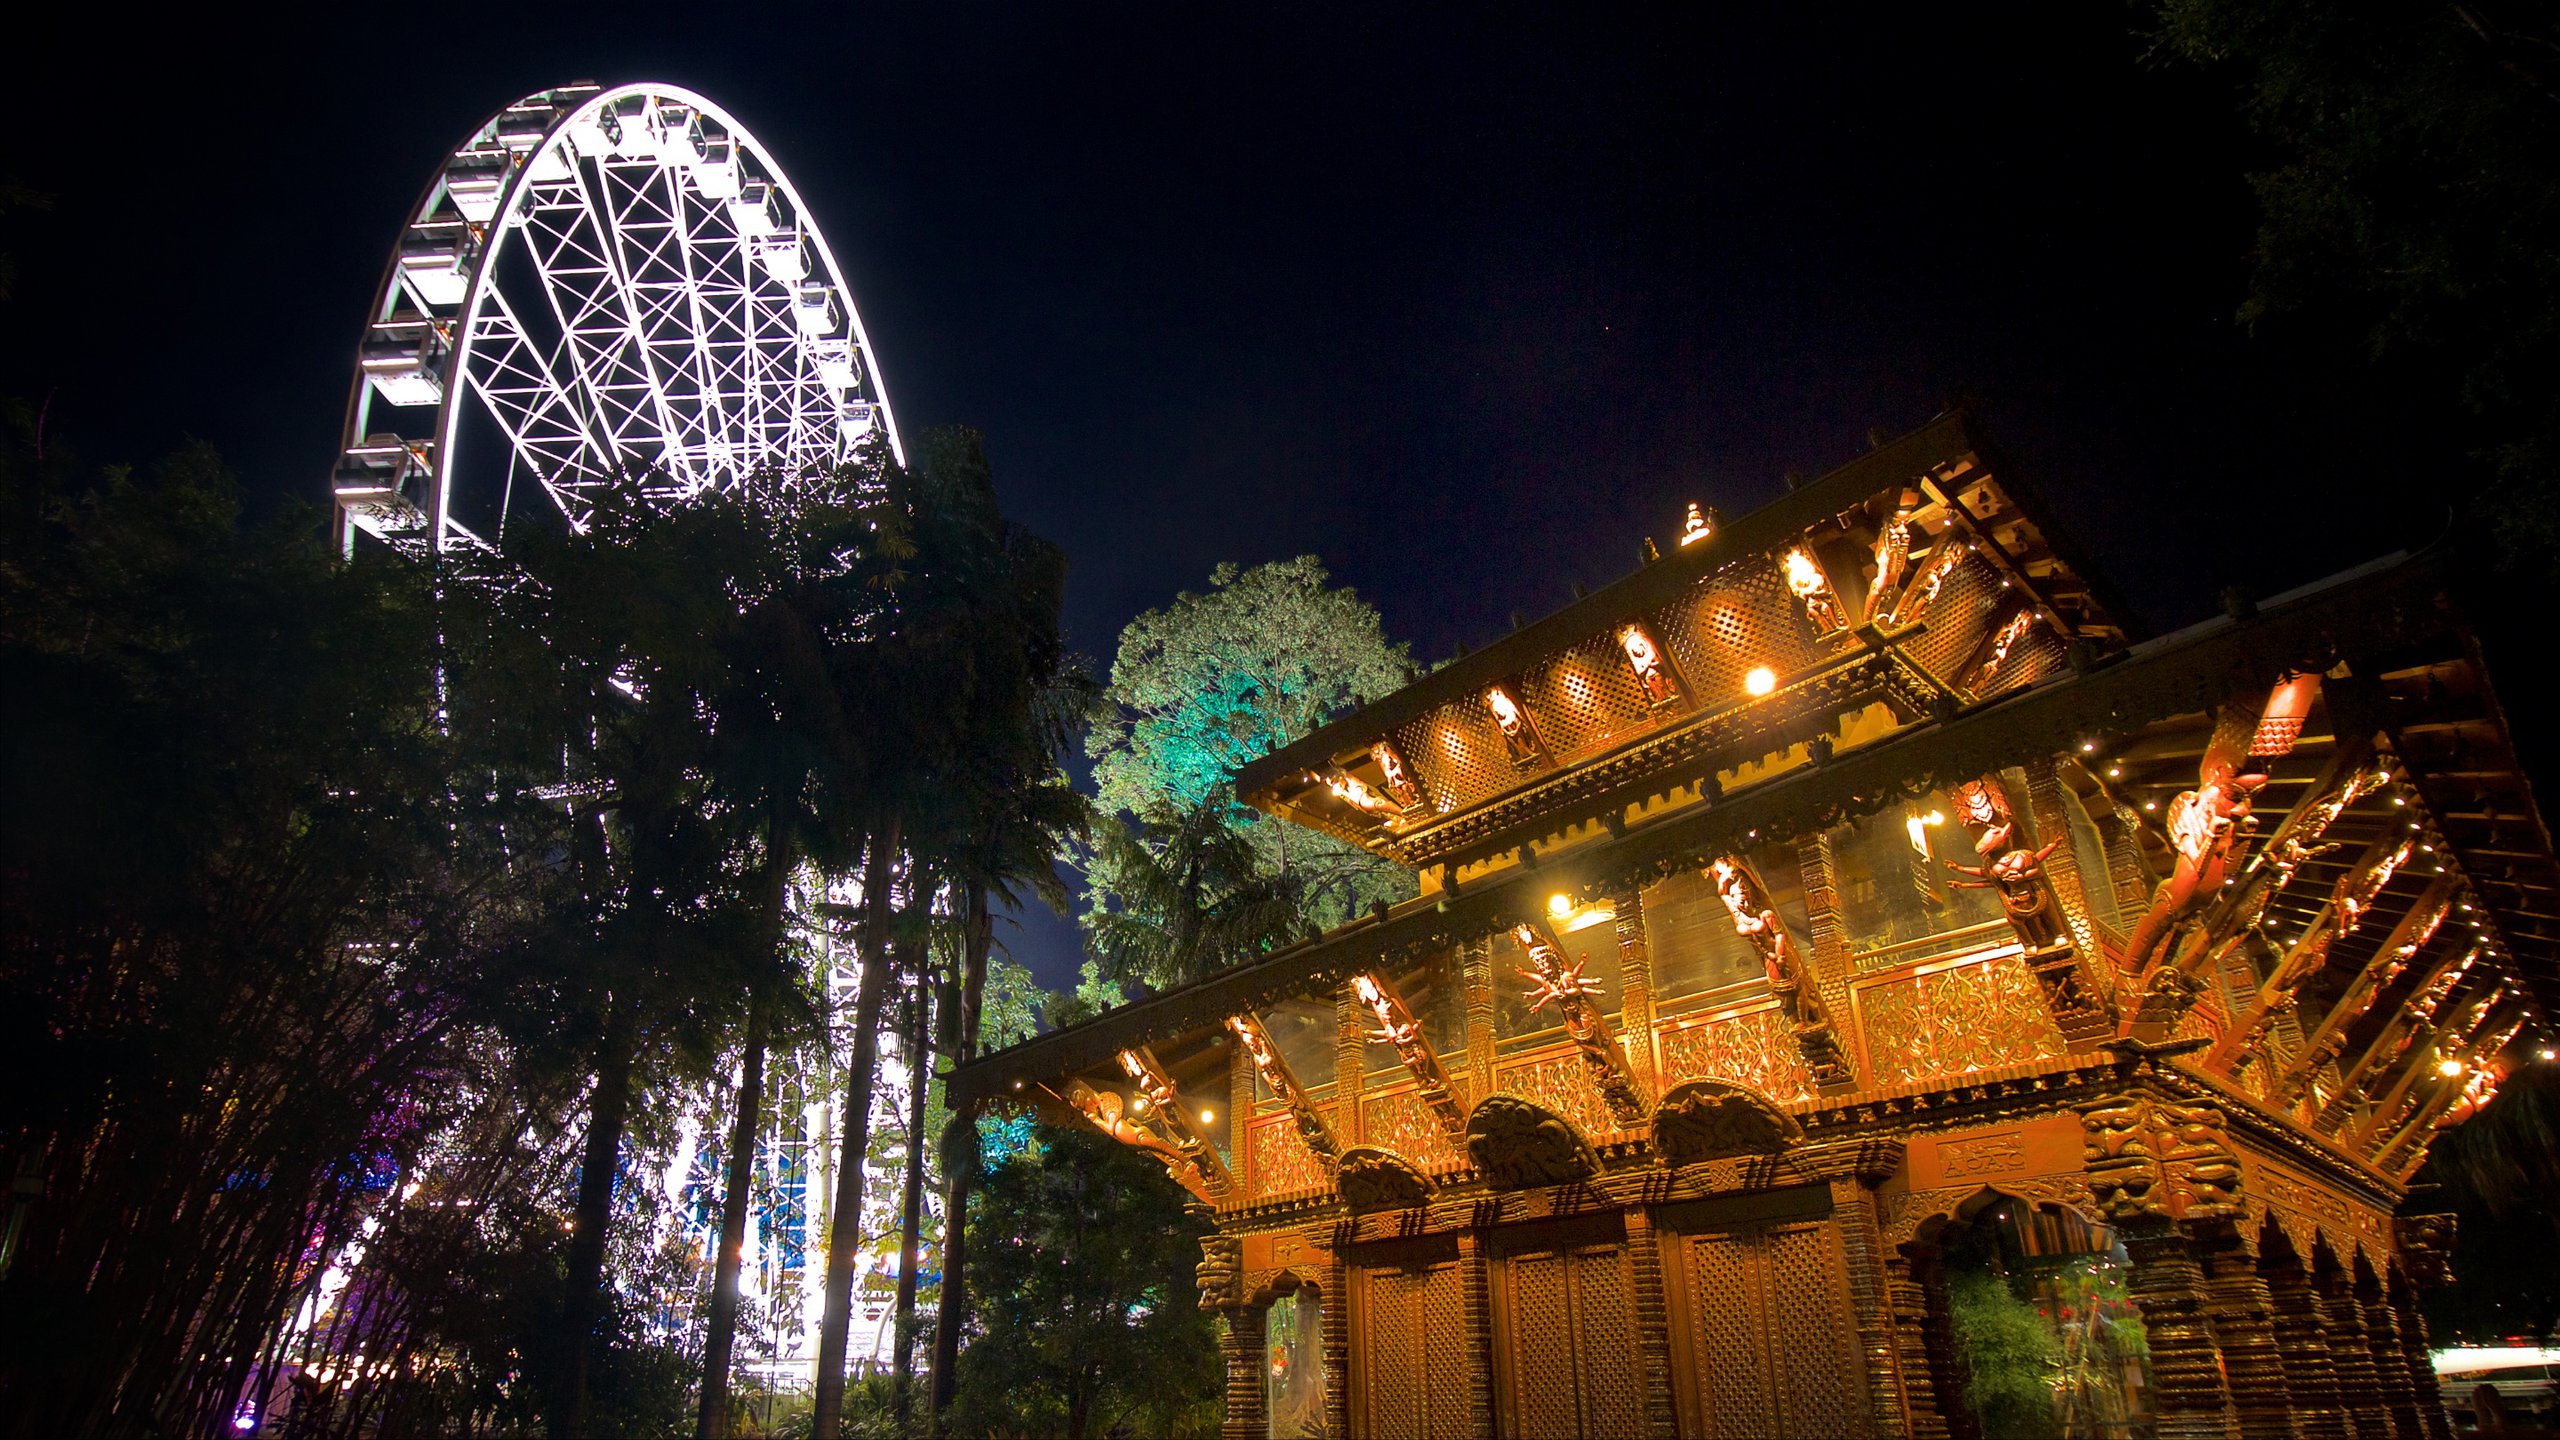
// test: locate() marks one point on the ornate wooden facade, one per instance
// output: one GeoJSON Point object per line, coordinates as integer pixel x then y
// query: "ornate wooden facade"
{"type": "Point", "coordinates": [1833, 908]}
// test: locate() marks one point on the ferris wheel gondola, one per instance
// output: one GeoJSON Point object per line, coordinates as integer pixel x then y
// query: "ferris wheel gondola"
{"type": "Point", "coordinates": [599, 287]}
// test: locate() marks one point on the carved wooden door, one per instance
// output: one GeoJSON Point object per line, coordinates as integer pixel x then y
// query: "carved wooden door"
{"type": "Point", "coordinates": [1565, 1342]}
{"type": "Point", "coordinates": [1409, 1351]}
{"type": "Point", "coordinates": [1764, 1342]}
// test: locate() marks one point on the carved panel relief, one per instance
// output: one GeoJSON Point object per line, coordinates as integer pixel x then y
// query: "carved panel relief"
{"type": "Point", "coordinates": [1972, 1016]}
{"type": "Point", "coordinates": [1400, 1120]}
{"type": "Point", "coordinates": [1281, 1163]}
{"type": "Point", "coordinates": [1562, 1083]}
{"type": "Point", "coordinates": [1756, 1048]}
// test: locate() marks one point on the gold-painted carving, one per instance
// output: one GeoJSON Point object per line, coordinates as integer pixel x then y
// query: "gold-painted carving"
{"type": "Point", "coordinates": [1372, 1177]}
{"type": "Point", "coordinates": [1711, 1119]}
{"type": "Point", "coordinates": [2152, 1157]}
{"type": "Point", "coordinates": [1518, 1145]}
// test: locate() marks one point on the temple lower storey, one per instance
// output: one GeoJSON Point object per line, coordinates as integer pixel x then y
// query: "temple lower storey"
{"type": "Point", "coordinates": [1855, 990]}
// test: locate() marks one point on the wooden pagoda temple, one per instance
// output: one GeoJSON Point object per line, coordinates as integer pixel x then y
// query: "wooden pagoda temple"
{"type": "Point", "coordinates": [1833, 933]}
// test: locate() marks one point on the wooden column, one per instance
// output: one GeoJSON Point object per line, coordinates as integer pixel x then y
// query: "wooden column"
{"type": "Point", "coordinates": [2417, 1364]}
{"type": "Point", "coordinates": [1349, 1064]}
{"type": "Point", "coordinates": [2188, 1392]}
{"type": "Point", "coordinates": [1240, 1107]}
{"type": "Point", "coordinates": [2126, 871]}
{"type": "Point", "coordinates": [2302, 1345]}
{"type": "Point", "coordinates": [1653, 1325]}
{"type": "Point", "coordinates": [2390, 1360]}
{"type": "Point", "coordinates": [1475, 1290]}
{"type": "Point", "coordinates": [1476, 966]}
{"type": "Point", "coordinates": [1853, 1209]}
{"type": "Point", "coordinates": [1241, 1348]}
{"type": "Point", "coordinates": [1336, 1331]}
{"type": "Point", "coordinates": [2350, 1353]}
{"type": "Point", "coordinates": [2244, 1324]}
{"type": "Point", "coordinates": [1906, 1296]}
{"type": "Point", "coordinates": [1636, 1035]}
{"type": "Point", "coordinates": [1827, 943]}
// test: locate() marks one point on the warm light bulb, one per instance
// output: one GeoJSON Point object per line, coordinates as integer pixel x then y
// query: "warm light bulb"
{"type": "Point", "coordinates": [2449, 1067]}
{"type": "Point", "coordinates": [1207, 1115]}
{"type": "Point", "coordinates": [1761, 680]}
{"type": "Point", "coordinates": [1560, 906]}
{"type": "Point", "coordinates": [1138, 1106]}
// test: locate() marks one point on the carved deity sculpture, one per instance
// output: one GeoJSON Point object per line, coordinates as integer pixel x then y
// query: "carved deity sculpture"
{"type": "Point", "coordinates": [1645, 658]}
{"type": "Point", "coordinates": [2018, 874]}
{"type": "Point", "coordinates": [1398, 1028]}
{"type": "Point", "coordinates": [2003, 640]}
{"type": "Point", "coordinates": [1812, 590]}
{"type": "Point", "coordinates": [1281, 1081]}
{"type": "Point", "coordinates": [1355, 792]}
{"type": "Point", "coordinates": [1518, 739]}
{"type": "Point", "coordinates": [1553, 978]}
{"type": "Point", "coordinates": [1756, 920]}
{"type": "Point", "coordinates": [1893, 554]}
{"type": "Point", "coordinates": [1923, 593]}
{"type": "Point", "coordinates": [1396, 775]}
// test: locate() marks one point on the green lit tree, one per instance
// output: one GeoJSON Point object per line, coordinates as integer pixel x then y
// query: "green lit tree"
{"type": "Point", "coordinates": [1198, 688]}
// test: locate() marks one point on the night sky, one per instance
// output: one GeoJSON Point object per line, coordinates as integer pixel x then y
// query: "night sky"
{"type": "Point", "coordinates": [1466, 301]}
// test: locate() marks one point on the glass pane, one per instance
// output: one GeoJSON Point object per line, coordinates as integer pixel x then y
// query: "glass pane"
{"type": "Point", "coordinates": [1895, 887]}
{"type": "Point", "coordinates": [1302, 1031]}
{"type": "Point", "coordinates": [1690, 932]}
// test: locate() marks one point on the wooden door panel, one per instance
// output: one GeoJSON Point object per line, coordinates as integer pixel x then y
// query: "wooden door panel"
{"type": "Point", "coordinates": [1565, 1332]}
{"type": "Point", "coordinates": [1409, 1354]}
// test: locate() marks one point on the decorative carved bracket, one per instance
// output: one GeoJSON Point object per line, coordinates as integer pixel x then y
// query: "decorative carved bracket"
{"type": "Point", "coordinates": [1281, 1081]}
{"type": "Point", "coordinates": [1756, 920]}
{"type": "Point", "coordinates": [1555, 979]}
{"type": "Point", "coordinates": [1104, 1110]}
{"type": "Point", "coordinates": [2416, 1016]}
{"type": "Point", "coordinates": [1143, 1071]}
{"type": "Point", "coordinates": [2329, 1038]}
{"type": "Point", "coordinates": [1518, 1145]}
{"type": "Point", "coordinates": [1397, 1027]}
{"type": "Point", "coordinates": [2425, 1243]}
{"type": "Point", "coordinates": [2344, 912]}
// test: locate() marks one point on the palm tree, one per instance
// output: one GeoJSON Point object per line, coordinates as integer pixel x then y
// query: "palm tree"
{"type": "Point", "coordinates": [949, 686]}
{"type": "Point", "coordinates": [1191, 900]}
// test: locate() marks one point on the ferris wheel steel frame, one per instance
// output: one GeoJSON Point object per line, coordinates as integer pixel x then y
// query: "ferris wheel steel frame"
{"type": "Point", "coordinates": [686, 324]}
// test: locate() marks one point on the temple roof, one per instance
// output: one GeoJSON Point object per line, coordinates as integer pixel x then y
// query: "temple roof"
{"type": "Point", "coordinates": [2391, 623]}
{"type": "Point", "coordinates": [1921, 576]}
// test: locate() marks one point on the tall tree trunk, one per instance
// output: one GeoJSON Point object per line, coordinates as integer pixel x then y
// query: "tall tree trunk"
{"type": "Point", "coordinates": [712, 1422]}
{"type": "Point", "coordinates": [606, 1112]}
{"type": "Point", "coordinates": [959, 1157]}
{"type": "Point", "coordinates": [844, 1226]}
{"type": "Point", "coordinates": [911, 1198]}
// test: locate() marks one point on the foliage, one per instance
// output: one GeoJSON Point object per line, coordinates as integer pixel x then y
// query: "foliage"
{"type": "Point", "coordinates": [251, 935]}
{"type": "Point", "coordinates": [1089, 1323]}
{"type": "Point", "coordinates": [2006, 1354]}
{"type": "Point", "coordinates": [2412, 191]}
{"type": "Point", "coordinates": [1181, 898]}
{"type": "Point", "coordinates": [1220, 678]}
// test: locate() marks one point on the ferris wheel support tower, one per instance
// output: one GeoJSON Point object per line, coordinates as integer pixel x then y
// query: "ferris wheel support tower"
{"type": "Point", "coordinates": [597, 286]}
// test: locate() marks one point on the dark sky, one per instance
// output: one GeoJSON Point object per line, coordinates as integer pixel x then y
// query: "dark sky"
{"type": "Point", "coordinates": [1466, 300]}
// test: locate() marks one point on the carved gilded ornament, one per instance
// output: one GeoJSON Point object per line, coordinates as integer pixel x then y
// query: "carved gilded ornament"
{"type": "Point", "coordinates": [1221, 1272]}
{"type": "Point", "coordinates": [1756, 920]}
{"type": "Point", "coordinates": [1396, 775]}
{"type": "Point", "coordinates": [2425, 1244]}
{"type": "Point", "coordinates": [1553, 978]}
{"type": "Point", "coordinates": [1812, 590]}
{"type": "Point", "coordinates": [1372, 1177]}
{"type": "Point", "coordinates": [1703, 1120]}
{"type": "Point", "coordinates": [1519, 1145]}
{"type": "Point", "coordinates": [1281, 1081]}
{"type": "Point", "coordinates": [1397, 1027]}
{"type": "Point", "coordinates": [1149, 1078]}
{"type": "Point", "coordinates": [1903, 1214]}
{"type": "Point", "coordinates": [2149, 1157]}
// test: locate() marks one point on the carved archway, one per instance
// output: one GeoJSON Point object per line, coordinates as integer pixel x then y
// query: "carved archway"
{"type": "Point", "coordinates": [1519, 1144]}
{"type": "Point", "coordinates": [1708, 1119]}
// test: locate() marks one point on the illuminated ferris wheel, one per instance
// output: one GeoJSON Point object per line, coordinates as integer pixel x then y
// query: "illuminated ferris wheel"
{"type": "Point", "coordinates": [599, 287]}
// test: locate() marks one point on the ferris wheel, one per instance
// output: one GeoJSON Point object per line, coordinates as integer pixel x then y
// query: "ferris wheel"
{"type": "Point", "coordinates": [599, 287]}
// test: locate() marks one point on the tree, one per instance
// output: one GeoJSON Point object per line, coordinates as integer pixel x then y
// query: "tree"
{"type": "Point", "coordinates": [953, 688]}
{"type": "Point", "coordinates": [1085, 1289]}
{"type": "Point", "coordinates": [1186, 898]}
{"type": "Point", "coordinates": [253, 939]}
{"type": "Point", "coordinates": [2412, 193]}
{"type": "Point", "coordinates": [1217, 679]}
{"type": "Point", "coordinates": [2498, 1170]}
